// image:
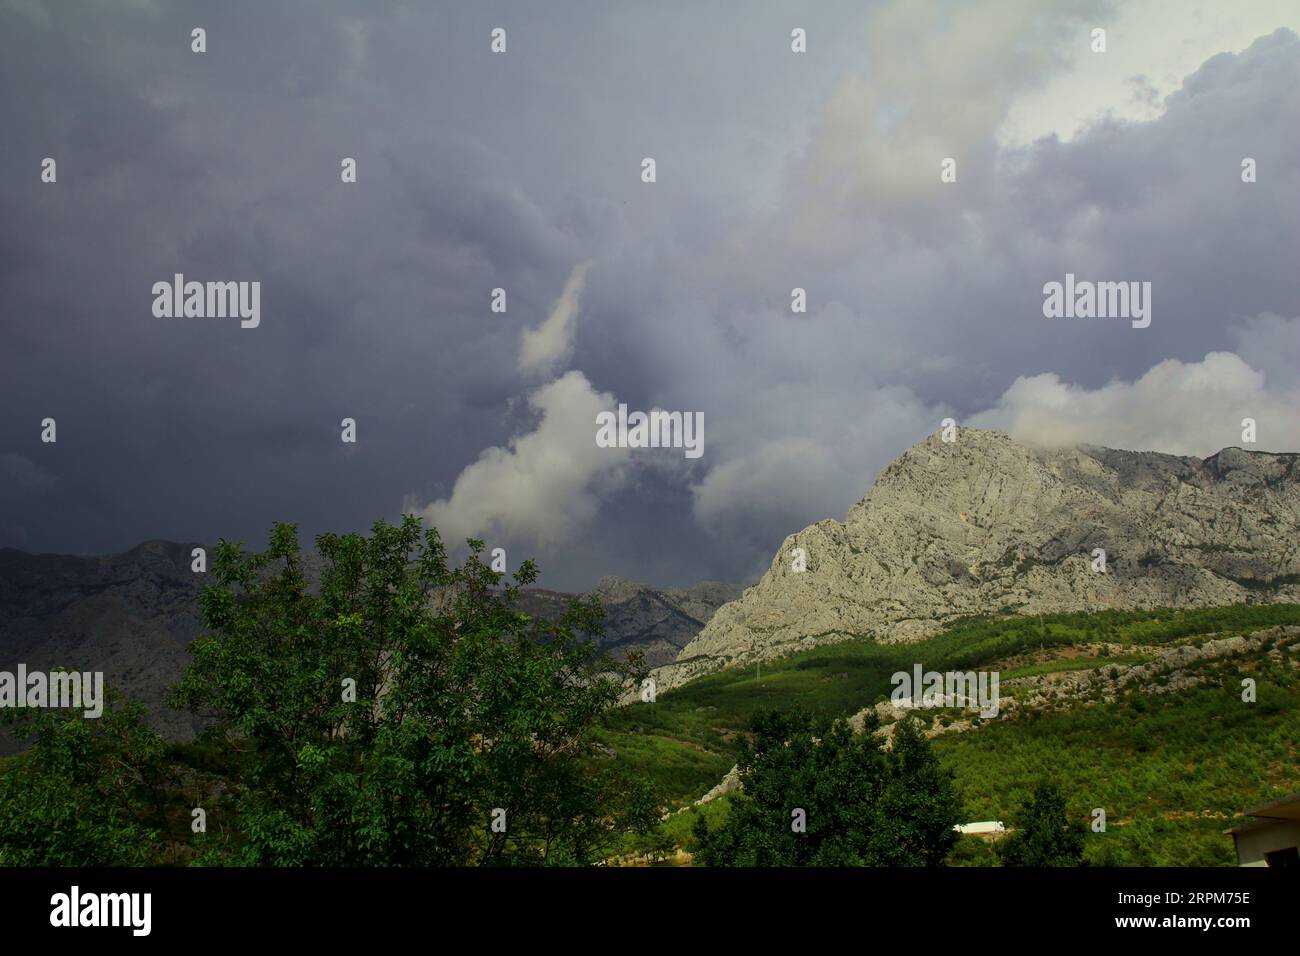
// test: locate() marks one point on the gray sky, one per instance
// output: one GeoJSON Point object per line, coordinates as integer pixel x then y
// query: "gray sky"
{"type": "Point", "coordinates": [522, 171]}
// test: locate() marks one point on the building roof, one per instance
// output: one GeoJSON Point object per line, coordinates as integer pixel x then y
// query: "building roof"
{"type": "Point", "coordinates": [982, 826]}
{"type": "Point", "coordinates": [1285, 808]}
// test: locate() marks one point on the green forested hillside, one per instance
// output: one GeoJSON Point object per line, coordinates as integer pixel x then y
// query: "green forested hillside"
{"type": "Point", "coordinates": [1170, 770]}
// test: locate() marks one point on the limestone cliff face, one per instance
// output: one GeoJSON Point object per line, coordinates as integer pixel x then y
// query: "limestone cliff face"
{"type": "Point", "coordinates": [983, 523]}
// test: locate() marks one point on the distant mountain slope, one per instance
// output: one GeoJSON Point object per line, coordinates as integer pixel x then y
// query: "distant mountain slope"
{"type": "Point", "coordinates": [984, 523]}
{"type": "Point", "coordinates": [657, 622]}
{"type": "Point", "coordinates": [130, 615]}
{"type": "Point", "coordinates": [133, 615]}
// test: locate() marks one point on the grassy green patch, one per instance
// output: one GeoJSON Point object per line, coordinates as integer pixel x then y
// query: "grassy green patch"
{"type": "Point", "coordinates": [1201, 750]}
{"type": "Point", "coordinates": [1072, 664]}
{"type": "Point", "coordinates": [688, 738]}
{"type": "Point", "coordinates": [1170, 770]}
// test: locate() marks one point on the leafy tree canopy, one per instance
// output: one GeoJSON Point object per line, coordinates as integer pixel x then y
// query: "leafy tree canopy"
{"type": "Point", "coordinates": [401, 712]}
{"type": "Point", "coordinates": [1044, 834]}
{"type": "Point", "coordinates": [863, 803]}
{"type": "Point", "coordinates": [85, 793]}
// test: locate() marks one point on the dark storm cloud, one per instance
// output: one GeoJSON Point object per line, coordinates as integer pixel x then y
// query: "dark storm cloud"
{"type": "Point", "coordinates": [478, 171]}
{"type": "Point", "coordinates": [474, 173]}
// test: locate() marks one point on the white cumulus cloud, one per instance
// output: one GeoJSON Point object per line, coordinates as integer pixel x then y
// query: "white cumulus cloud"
{"type": "Point", "coordinates": [1182, 408]}
{"type": "Point", "coordinates": [542, 487]}
{"type": "Point", "coordinates": [551, 343]}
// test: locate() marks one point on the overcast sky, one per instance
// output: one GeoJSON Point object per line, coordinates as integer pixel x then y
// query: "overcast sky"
{"type": "Point", "coordinates": [522, 170]}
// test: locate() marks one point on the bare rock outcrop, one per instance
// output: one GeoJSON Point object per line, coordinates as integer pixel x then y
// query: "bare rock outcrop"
{"type": "Point", "coordinates": [985, 524]}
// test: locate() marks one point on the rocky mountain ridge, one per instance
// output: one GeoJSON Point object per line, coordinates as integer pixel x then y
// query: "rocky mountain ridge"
{"type": "Point", "coordinates": [983, 524]}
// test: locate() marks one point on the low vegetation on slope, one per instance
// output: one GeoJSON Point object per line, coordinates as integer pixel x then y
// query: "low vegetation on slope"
{"type": "Point", "coordinates": [1169, 770]}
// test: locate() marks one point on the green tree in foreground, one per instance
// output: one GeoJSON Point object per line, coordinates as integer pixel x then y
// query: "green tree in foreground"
{"type": "Point", "coordinates": [1044, 835]}
{"type": "Point", "coordinates": [402, 712]}
{"type": "Point", "coordinates": [84, 793]}
{"type": "Point", "coordinates": [862, 803]}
